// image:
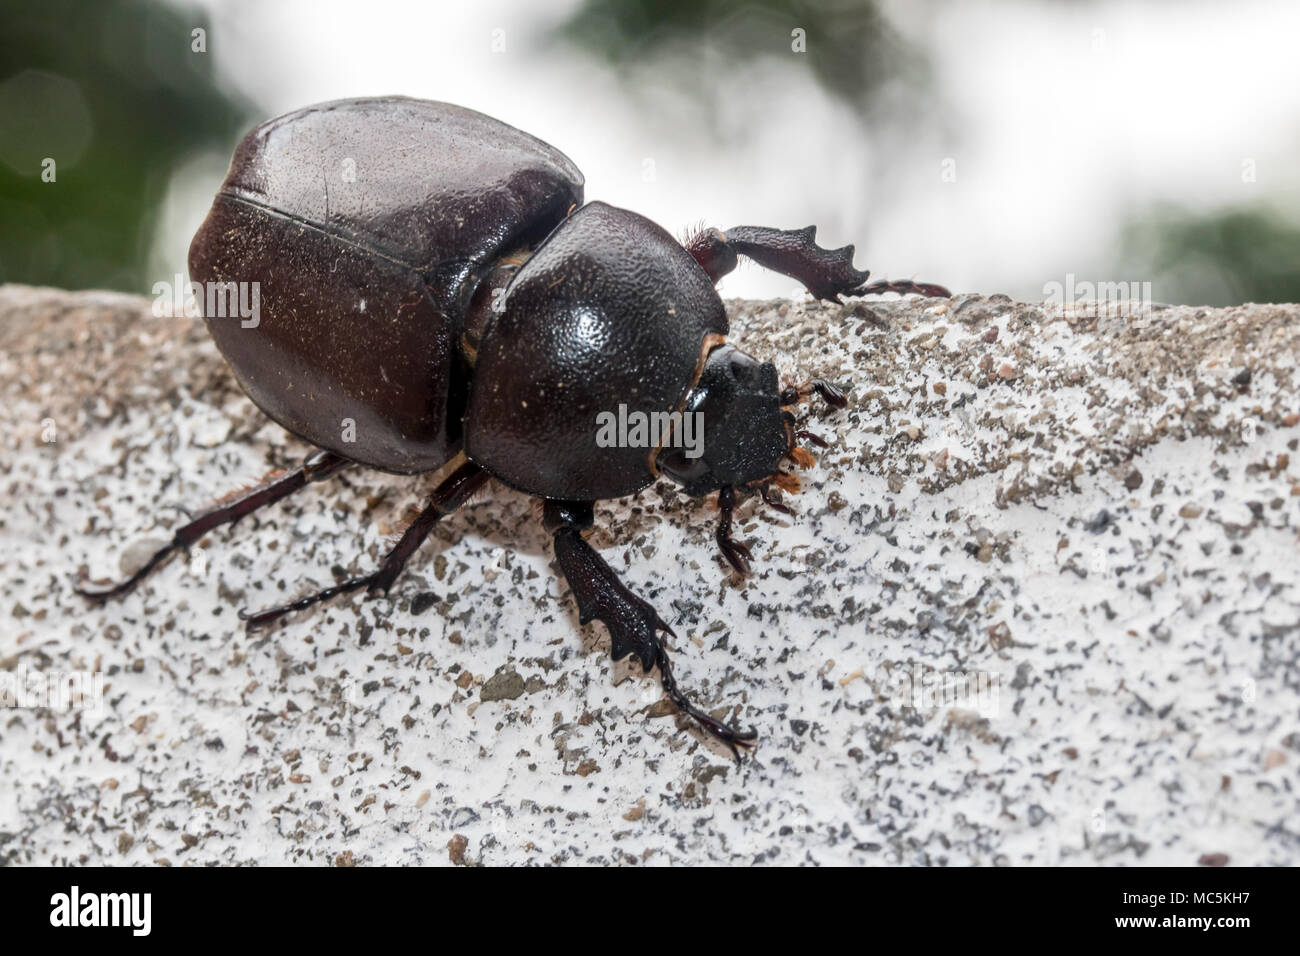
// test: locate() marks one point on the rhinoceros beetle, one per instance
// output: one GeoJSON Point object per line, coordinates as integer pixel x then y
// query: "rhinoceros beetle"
{"type": "Point", "coordinates": [435, 296]}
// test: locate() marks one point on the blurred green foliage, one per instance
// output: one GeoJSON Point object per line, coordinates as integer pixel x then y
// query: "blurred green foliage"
{"type": "Point", "coordinates": [114, 94]}
{"type": "Point", "coordinates": [1243, 254]}
{"type": "Point", "coordinates": [850, 47]}
{"type": "Point", "coordinates": [1220, 258]}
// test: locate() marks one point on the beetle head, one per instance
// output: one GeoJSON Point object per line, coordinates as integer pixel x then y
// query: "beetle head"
{"type": "Point", "coordinates": [745, 431]}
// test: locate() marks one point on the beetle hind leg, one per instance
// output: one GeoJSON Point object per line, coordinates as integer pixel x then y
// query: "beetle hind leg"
{"type": "Point", "coordinates": [317, 467]}
{"type": "Point", "coordinates": [446, 498]}
{"type": "Point", "coordinates": [634, 626]}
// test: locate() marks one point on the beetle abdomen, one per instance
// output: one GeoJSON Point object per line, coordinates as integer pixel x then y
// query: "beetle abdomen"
{"type": "Point", "coordinates": [610, 311]}
{"type": "Point", "coordinates": [366, 225]}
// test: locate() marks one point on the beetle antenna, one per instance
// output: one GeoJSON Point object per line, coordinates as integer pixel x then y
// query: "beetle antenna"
{"type": "Point", "coordinates": [793, 394]}
{"type": "Point", "coordinates": [786, 482]}
{"type": "Point", "coordinates": [802, 457]}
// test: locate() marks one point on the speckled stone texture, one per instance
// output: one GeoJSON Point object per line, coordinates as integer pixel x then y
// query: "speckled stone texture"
{"type": "Point", "coordinates": [1038, 605]}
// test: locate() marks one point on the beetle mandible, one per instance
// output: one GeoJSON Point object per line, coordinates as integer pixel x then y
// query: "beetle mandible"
{"type": "Point", "coordinates": [434, 276]}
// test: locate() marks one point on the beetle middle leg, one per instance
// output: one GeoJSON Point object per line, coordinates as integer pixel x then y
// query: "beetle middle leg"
{"type": "Point", "coordinates": [317, 467]}
{"type": "Point", "coordinates": [633, 624]}
{"type": "Point", "coordinates": [459, 486]}
{"type": "Point", "coordinates": [736, 552]}
{"type": "Point", "coordinates": [826, 273]}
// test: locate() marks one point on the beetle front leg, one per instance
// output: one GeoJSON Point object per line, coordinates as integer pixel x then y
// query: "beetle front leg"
{"type": "Point", "coordinates": [634, 626]}
{"type": "Point", "coordinates": [317, 467]}
{"type": "Point", "coordinates": [825, 273]}
{"type": "Point", "coordinates": [446, 498]}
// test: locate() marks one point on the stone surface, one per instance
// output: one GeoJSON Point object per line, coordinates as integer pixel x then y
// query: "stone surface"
{"type": "Point", "coordinates": [1038, 605]}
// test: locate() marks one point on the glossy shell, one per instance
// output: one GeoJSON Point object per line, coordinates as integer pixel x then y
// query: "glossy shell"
{"type": "Point", "coordinates": [367, 225]}
{"type": "Point", "coordinates": [609, 310]}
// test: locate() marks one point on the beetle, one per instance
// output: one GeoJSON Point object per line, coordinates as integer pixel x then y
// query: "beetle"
{"type": "Point", "coordinates": [435, 295]}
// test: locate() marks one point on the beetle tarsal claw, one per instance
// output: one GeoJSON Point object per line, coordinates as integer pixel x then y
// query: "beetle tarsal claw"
{"type": "Point", "coordinates": [903, 287]}
{"type": "Point", "coordinates": [766, 495]}
{"type": "Point", "coordinates": [736, 552]}
{"type": "Point", "coordinates": [734, 739]}
{"type": "Point", "coordinates": [258, 619]}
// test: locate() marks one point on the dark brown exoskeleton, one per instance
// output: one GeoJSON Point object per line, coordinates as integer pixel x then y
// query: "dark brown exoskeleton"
{"type": "Point", "coordinates": [434, 294]}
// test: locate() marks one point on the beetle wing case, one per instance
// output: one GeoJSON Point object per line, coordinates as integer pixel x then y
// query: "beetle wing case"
{"type": "Point", "coordinates": [366, 224]}
{"type": "Point", "coordinates": [609, 311]}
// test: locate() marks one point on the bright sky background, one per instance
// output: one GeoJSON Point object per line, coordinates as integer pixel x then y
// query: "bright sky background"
{"type": "Point", "coordinates": [1062, 119]}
